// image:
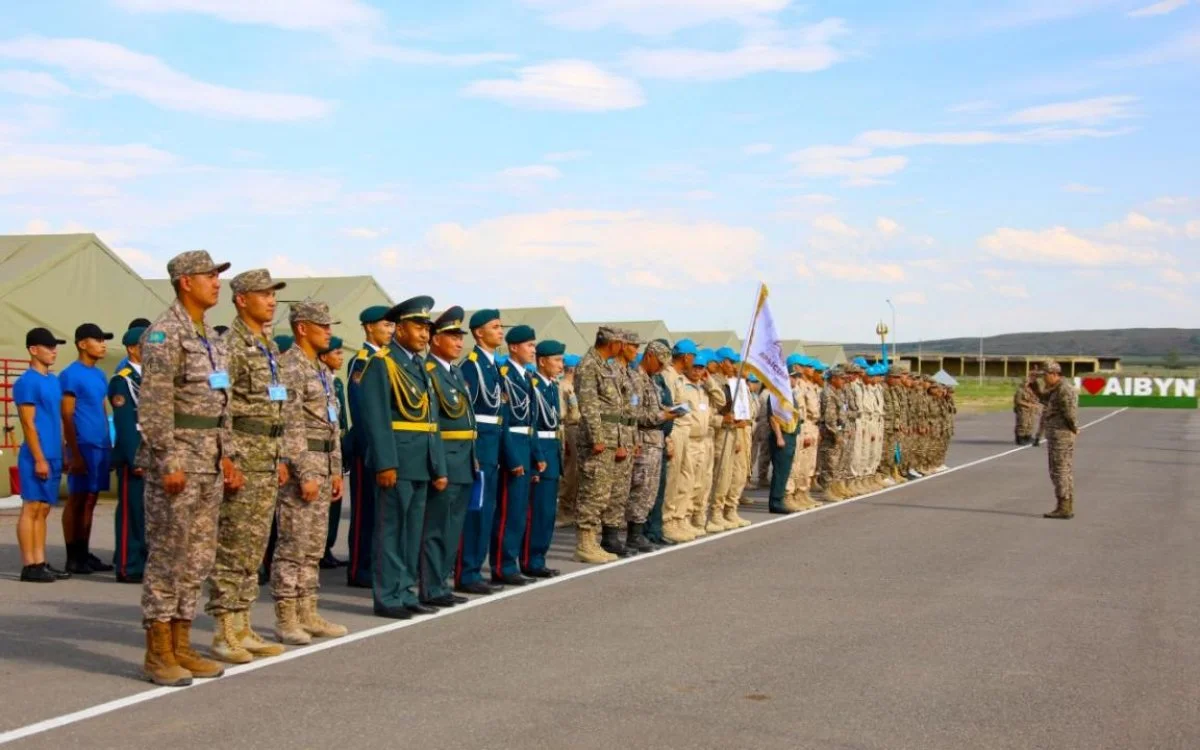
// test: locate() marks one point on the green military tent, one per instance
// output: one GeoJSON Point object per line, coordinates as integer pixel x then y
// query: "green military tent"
{"type": "Point", "coordinates": [712, 339]}
{"type": "Point", "coordinates": [830, 354]}
{"type": "Point", "coordinates": [547, 322]}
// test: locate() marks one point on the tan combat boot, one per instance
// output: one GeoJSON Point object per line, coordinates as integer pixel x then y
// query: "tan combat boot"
{"type": "Point", "coordinates": [733, 520]}
{"type": "Point", "coordinates": [160, 666]}
{"type": "Point", "coordinates": [587, 550]}
{"type": "Point", "coordinates": [227, 643]}
{"type": "Point", "coordinates": [897, 475]}
{"type": "Point", "coordinates": [287, 624]}
{"type": "Point", "coordinates": [181, 639]}
{"type": "Point", "coordinates": [252, 641]}
{"type": "Point", "coordinates": [716, 523]}
{"type": "Point", "coordinates": [675, 532]}
{"type": "Point", "coordinates": [698, 523]}
{"type": "Point", "coordinates": [314, 624]}
{"type": "Point", "coordinates": [807, 501]}
{"type": "Point", "coordinates": [791, 504]}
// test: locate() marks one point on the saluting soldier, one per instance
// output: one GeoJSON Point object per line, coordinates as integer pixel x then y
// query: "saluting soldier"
{"type": "Point", "coordinates": [446, 509]}
{"type": "Point", "coordinates": [404, 449]}
{"type": "Point", "coordinates": [543, 504]}
{"type": "Point", "coordinates": [188, 455]}
{"type": "Point", "coordinates": [482, 375]}
{"type": "Point", "coordinates": [263, 434]}
{"type": "Point", "coordinates": [377, 331]}
{"type": "Point", "coordinates": [129, 557]}
{"type": "Point", "coordinates": [521, 457]}
{"type": "Point", "coordinates": [314, 480]}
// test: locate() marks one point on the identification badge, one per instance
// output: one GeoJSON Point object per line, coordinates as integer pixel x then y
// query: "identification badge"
{"type": "Point", "coordinates": [634, 400]}
{"type": "Point", "coordinates": [333, 415]}
{"type": "Point", "coordinates": [219, 380]}
{"type": "Point", "coordinates": [277, 392]}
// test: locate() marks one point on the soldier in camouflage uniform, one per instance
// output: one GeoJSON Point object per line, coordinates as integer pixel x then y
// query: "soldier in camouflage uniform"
{"type": "Point", "coordinates": [615, 514]}
{"type": "Point", "coordinates": [315, 479]}
{"type": "Point", "coordinates": [832, 444]}
{"type": "Point", "coordinates": [568, 488]}
{"type": "Point", "coordinates": [893, 424]}
{"type": "Point", "coordinates": [264, 432]}
{"type": "Point", "coordinates": [648, 463]}
{"type": "Point", "coordinates": [1025, 408]}
{"type": "Point", "coordinates": [601, 408]}
{"type": "Point", "coordinates": [807, 396]}
{"type": "Point", "coordinates": [1060, 420]}
{"type": "Point", "coordinates": [188, 458]}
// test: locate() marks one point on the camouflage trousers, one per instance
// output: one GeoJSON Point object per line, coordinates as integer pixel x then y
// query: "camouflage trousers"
{"type": "Point", "coordinates": [677, 495]}
{"type": "Point", "coordinates": [887, 461]}
{"type": "Point", "coordinates": [845, 465]}
{"type": "Point", "coordinates": [804, 464]}
{"type": "Point", "coordinates": [295, 568]}
{"type": "Point", "coordinates": [619, 486]}
{"type": "Point", "coordinates": [760, 454]}
{"type": "Point", "coordinates": [595, 485]}
{"type": "Point", "coordinates": [181, 538]}
{"type": "Point", "coordinates": [732, 485]}
{"type": "Point", "coordinates": [875, 455]}
{"type": "Point", "coordinates": [242, 530]}
{"type": "Point", "coordinates": [829, 457]}
{"type": "Point", "coordinates": [1061, 448]}
{"type": "Point", "coordinates": [647, 470]}
{"type": "Point", "coordinates": [1026, 419]}
{"type": "Point", "coordinates": [568, 486]}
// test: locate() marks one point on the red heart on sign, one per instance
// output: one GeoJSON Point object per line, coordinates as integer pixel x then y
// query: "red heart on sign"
{"type": "Point", "coordinates": [1094, 385]}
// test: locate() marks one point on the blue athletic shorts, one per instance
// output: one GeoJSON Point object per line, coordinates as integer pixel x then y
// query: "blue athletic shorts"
{"type": "Point", "coordinates": [34, 490]}
{"type": "Point", "coordinates": [96, 459]}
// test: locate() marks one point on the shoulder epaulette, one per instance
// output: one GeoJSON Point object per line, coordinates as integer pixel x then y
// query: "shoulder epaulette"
{"type": "Point", "coordinates": [533, 380]}
{"type": "Point", "coordinates": [431, 366]}
{"type": "Point", "coordinates": [124, 372]}
{"type": "Point", "coordinates": [473, 356]}
{"type": "Point", "coordinates": [362, 354]}
{"type": "Point", "coordinates": [382, 353]}
{"type": "Point", "coordinates": [503, 369]}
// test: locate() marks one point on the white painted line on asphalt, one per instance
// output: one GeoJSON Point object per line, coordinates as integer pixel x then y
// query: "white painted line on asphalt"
{"type": "Point", "coordinates": [161, 692]}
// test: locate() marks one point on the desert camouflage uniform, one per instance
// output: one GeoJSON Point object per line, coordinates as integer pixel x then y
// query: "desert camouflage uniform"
{"type": "Point", "coordinates": [1061, 422]}
{"type": "Point", "coordinates": [833, 443]}
{"type": "Point", "coordinates": [568, 488]}
{"type": "Point", "coordinates": [804, 466]}
{"type": "Point", "coordinates": [622, 472]}
{"type": "Point", "coordinates": [1026, 407]}
{"type": "Point", "coordinates": [601, 407]}
{"type": "Point", "coordinates": [647, 465]}
{"type": "Point", "coordinates": [760, 452]}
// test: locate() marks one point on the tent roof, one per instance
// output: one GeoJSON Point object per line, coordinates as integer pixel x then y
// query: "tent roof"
{"type": "Point", "coordinates": [712, 339]}
{"type": "Point", "coordinates": [830, 354]}
{"type": "Point", "coordinates": [548, 323]}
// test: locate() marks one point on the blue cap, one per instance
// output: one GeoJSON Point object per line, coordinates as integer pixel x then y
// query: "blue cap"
{"type": "Point", "coordinates": [373, 314]}
{"type": "Point", "coordinates": [133, 336]}
{"type": "Point", "coordinates": [483, 317]}
{"type": "Point", "coordinates": [683, 347]}
{"type": "Point", "coordinates": [572, 360]}
{"type": "Point", "coordinates": [519, 335]}
{"type": "Point", "coordinates": [861, 362]}
{"type": "Point", "coordinates": [501, 359]}
{"type": "Point", "coordinates": [819, 366]}
{"type": "Point", "coordinates": [795, 360]}
{"type": "Point", "coordinates": [752, 378]}
{"type": "Point", "coordinates": [710, 355]}
{"type": "Point", "coordinates": [725, 354]}
{"type": "Point", "coordinates": [550, 348]}
{"type": "Point", "coordinates": [702, 359]}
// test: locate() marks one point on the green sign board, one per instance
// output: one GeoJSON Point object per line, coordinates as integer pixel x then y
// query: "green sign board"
{"type": "Point", "coordinates": [1138, 393]}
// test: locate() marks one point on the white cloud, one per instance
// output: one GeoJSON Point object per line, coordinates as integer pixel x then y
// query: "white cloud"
{"type": "Point", "coordinates": [702, 252]}
{"type": "Point", "coordinates": [1192, 230]}
{"type": "Point", "coordinates": [652, 17]}
{"type": "Point", "coordinates": [886, 226]}
{"type": "Point", "coordinates": [933, 265]}
{"type": "Point", "coordinates": [886, 273]}
{"type": "Point", "coordinates": [363, 233]}
{"type": "Point", "coordinates": [804, 50]}
{"type": "Point", "coordinates": [1085, 111]}
{"type": "Point", "coordinates": [28, 83]}
{"type": "Point", "coordinates": [140, 260]}
{"type": "Point", "coordinates": [959, 285]}
{"type": "Point", "coordinates": [996, 273]}
{"type": "Point", "coordinates": [1158, 9]}
{"type": "Point", "coordinates": [285, 266]}
{"type": "Point", "coordinates": [292, 14]}
{"type": "Point", "coordinates": [800, 266]}
{"type": "Point", "coordinates": [852, 163]}
{"type": "Point", "coordinates": [642, 277]}
{"type": "Point", "coordinates": [972, 107]}
{"type": "Point", "coordinates": [118, 69]}
{"type": "Point", "coordinates": [562, 84]}
{"type": "Point", "coordinates": [756, 149]}
{"type": "Point", "coordinates": [901, 139]}
{"type": "Point", "coordinates": [1174, 204]}
{"type": "Point", "coordinates": [1183, 47]}
{"type": "Point", "coordinates": [532, 172]}
{"type": "Point", "coordinates": [1016, 291]}
{"type": "Point", "coordinates": [562, 156]}
{"type": "Point", "coordinates": [1175, 276]}
{"type": "Point", "coordinates": [26, 165]}
{"type": "Point", "coordinates": [1058, 246]}
{"type": "Point", "coordinates": [830, 224]}
{"type": "Point", "coordinates": [365, 47]}
{"type": "Point", "coordinates": [1075, 187]}
{"type": "Point", "coordinates": [1135, 223]}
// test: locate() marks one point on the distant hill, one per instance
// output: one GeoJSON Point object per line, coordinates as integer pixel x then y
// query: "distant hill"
{"type": "Point", "coordinates": [1120, 342]}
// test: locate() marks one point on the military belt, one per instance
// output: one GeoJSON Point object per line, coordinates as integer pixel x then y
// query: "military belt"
{"type": "Point", "coordinates": [616, 419]}
{"type": "Point", "coordinates": [547, 434]}
{"type": "Point", "coordinates": [193, 422]}
{"type": "Point", "coordinates": [414, 427]}
{"type": "Point", "coordinates": [458, 435]}
{"type": "Point", "coordinates": [520, 430]}
{"type": "Point", "coordinates": [321, 446]}
{"type": "Point", "coordinates": [488, 418]}
{"type": "Point", "coordinates": [254, 426]}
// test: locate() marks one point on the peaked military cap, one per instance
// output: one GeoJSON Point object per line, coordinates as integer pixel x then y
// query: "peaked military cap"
{"type": "Point", "coordinates": [284, 342]}
{"type": "Point", "coordinates": [483, 317]}
{"type": "Point", "coordinates": [132, 336]}
{"type": "Point", "coordinates": [255, 280]}
{"type": "Point", "coordinates": [373, 314]}
{"type": "Point", "coordinates": [193, 262]}
{"type": "Point", "coordinates": [519, 335]}
{"type": "Point", "coordinates": [417, 308]}
{"type": "Point", "coordinates": [450, 321]}
{"type": "Point", "coordinates": [550, 348]}
{"type": "Point", "coordinates": [311, 311]}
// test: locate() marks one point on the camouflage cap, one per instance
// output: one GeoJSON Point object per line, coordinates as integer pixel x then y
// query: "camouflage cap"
{"type": "Point", "coordinates": [896, 370]}
{"type": "Point", "coordinates": [255, 280]}
{"type": "Point", "coordinates": [1051, 366]}
{"type": "Point", "coordinates": [631, 337]}
{"type": "Point", "coordinates": [311, 311]}
{"type": "Point", "coordinates": [660, 351]}
{"type": "Point", "coordinates": [193, 262]}
{"type": "Point", "coordinates": [851, 369]}
{"type": "Point", "coordinates": [607, 334]}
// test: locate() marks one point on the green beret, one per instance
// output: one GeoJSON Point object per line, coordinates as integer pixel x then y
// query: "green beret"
{"type": "Point", "coordinates": [483, 317]}
{"type": "Point", "coordinates": [133, 336]}
{"type": "Point", "coordinates": [551, 348]}
{"type": "Point", "coordinates": [335, 343]}
{"type": "Point", "coordinates": [373, 314]}
{"type": "Point", "coordinates": [517, 334]}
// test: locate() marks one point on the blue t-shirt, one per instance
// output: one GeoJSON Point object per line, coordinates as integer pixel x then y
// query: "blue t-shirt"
{"type": "Point", "coordinates": [89, 386]}
{"type": "Point", "coordinates": [44, 394]}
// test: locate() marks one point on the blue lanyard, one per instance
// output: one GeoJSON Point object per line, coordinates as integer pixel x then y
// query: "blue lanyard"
{"type": "Point", "coordinates": [211, 359]}
{"type": "Point", "coordinates": [270, 362]}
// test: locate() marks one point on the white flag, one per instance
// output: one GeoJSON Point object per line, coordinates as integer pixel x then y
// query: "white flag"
{"type": "Point", "coordinates": [763, 356]}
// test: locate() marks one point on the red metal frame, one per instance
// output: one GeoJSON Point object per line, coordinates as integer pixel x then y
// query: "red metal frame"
{"type": "Point", "coordinates": [10, 370]}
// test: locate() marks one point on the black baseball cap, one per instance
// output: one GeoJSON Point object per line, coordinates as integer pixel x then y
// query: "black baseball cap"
{"type": "Point", "coordinates": [139, 323]}
{"type": "Point", "coordinates": [41, 337]}
{"type": "Point", "coordinates": [91, 331]}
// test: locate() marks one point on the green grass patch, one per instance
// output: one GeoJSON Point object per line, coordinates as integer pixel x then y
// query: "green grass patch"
{"type": "Point", "coordinates": [989, 396]}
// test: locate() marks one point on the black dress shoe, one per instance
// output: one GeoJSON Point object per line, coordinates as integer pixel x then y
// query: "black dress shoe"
{"type": "Point", "coordinates": [135, 578]}
{"type": "Point", "coordinates": [393, 613]}
{"type": "Point", "coordinates": [542, 573]}
{"type": "Point", "coordinates": [512, 580]}
{"type": "Point", "coordinates": [78, 568]}
{"type": "Point", "coordinates": [459, 599]}
{"type": "Point", "coordinates": [421, 609]}
{"type": "Point", "coordinates": [475, 587]}
{"type": "Point", "coordinates": [60, 575]}
{"type": "Point", "coordinates": [779, 510]}
{"type": "Point", "coordinates": [98, 565]}
{"type": "Point", "coordinates": [36, 574]}
{"type": "Point", "coordinates": [445, 602]}
{"type": "Point", "coordinates": [435, 603]}
{"type": "Point", "coordinates": [327, 563]}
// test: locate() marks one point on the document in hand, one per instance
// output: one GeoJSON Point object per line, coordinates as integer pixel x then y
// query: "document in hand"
{"type": "Point", "coordinates": [680, 409]}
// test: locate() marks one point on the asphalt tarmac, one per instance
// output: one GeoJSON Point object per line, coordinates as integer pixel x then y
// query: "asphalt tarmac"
{"type": "Point", "coordinates": [945, 613]}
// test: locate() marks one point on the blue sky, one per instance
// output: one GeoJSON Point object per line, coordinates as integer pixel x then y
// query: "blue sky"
{"type": "Point", "coordinates": [989, 167]}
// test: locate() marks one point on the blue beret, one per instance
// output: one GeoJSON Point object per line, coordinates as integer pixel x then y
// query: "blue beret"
{"type": "Point", "coordinates": [133, 336]}
{"type": "Point", "coordinates": [550, 348]}
{"type": "Point", "coordinates": [335, 343]}
{"type": "Point", "coordinates": [373, 314]}
{"type": "Point", "coordinates": [518, 335]}
{"type": "Point", "coordinates": [483, 317]}
{"type": "Point", "coordinates": [683, 347]}
{"type": "Point", "coordinates": [284, 343]}
{"type": "Point", "coordinates": [572, 360]}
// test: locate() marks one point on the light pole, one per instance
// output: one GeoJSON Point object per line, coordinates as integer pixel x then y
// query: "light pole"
{"type": "Point", "coordinates": [889, 302]}
{"type": "Point", "coordinates": [881, 331]}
